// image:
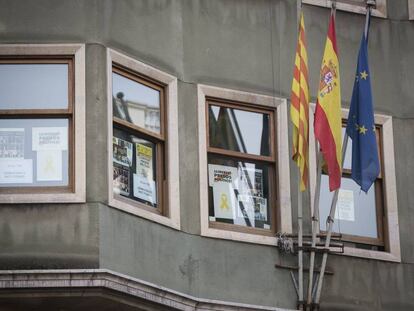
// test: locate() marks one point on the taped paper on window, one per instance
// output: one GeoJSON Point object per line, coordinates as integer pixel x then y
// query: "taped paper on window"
{"type": "Point", "coordinates": [224, 200]}
{"type": "Point", "coordinates": [221, 174]}
{"type": "Point", "coordinates": [12, 143]}
{"type": "Point", "coordinates": [144, 161]}
{"type": "Point", "coordinates": [251, 181]}
{"type": "Point", "coordinates": [122, 151]}
{"type": "Point", "coordinates": [49, 165]}
{"type": "Point", "coordinates": [49, 138]}
{"type": "Point", "coordinates": [16, 171]}
{"type": "Point", "coordinates": [144, 189]}
{"type": "Point", "coordinates": [252, 206]}
{"type": "Point", "coordinates": [345, 205]}
{"type": "Point", "coordinates": [121, 183]}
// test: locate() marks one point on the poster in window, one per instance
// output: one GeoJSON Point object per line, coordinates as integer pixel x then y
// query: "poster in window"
{"type": "Point", "coordinates": [16, 171]}
{"type": "Point", "coordinates": [49, 165]}
{"type": "Point", "coordinates": [144, 189]}
{"type": "Point", "coordinates": [122, 151]}
{"type": "Point", "coordinates": [121, 180]}
{"type": "Point", "coordinates": [253, 206]}
{"type": "Point", "coordinates": [221, 174]}
{"type": "Point", "coordinates": [144, 161]}
{"type": "Point", "coordinates": [11, 143]}
{"type": "Point", "coordinates": [224, 200]}
{"type": "Point", "coordinates": [49, 138]}
{"type": "Point", "coordinates": [345, 205]}
{"type": "Point", "coordinates": [251, 181]}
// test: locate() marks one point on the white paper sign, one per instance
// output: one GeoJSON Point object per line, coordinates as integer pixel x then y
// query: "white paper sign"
{"type": "Point", "coordinates": [49, 138]}
{"type": "Point", "coordinates": [144, 161]}
{"type": "Point", "coordinates": [224, 200]}
{"type": "Point", "coordinates": [345, 206]}
{"type": "Point", "coordinates": [254, 207]}
{"type": "Point", "coordinates": [221, 174]}
{"type": "Point", "coordinates": [49, 165]}
{"type": "Point", "coordinates": [16, 171]}
{"type": "Point", "coordinates": [12, 143]}
{"type": "Point", "coordinates": [144, 189]}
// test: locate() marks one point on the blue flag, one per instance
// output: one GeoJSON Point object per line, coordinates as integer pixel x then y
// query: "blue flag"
{"type": "Point", "coordinates": [361, 126]}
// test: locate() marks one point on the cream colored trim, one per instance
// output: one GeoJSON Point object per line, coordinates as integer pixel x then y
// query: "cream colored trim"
{"type": "Point", "coordinates": [282, 168]}
{"type": "Point", "coordinates": [173, 219]}
{"type": "Point", "coordinates": [379, 11]}
{"type": "Point", "coordinates": [78, 50]}
{"type": "Point", "coordinates": [391, 205]}
{"type": "Point", "coordinates": [411, 9]}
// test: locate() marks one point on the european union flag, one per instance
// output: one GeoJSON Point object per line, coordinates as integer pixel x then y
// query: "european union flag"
{"type": "Point", "coordinates": [361, 127]}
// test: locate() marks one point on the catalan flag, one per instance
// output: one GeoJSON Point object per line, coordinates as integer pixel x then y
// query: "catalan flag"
{"type": "Point", "coordinates": [299, 109]}
{"type": "Point", "coordinates": [328, 123]}
{"type": "Point", "coordinates": [361, 127]}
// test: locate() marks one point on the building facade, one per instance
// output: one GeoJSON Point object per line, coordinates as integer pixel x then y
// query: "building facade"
{"type": "Point", "coordinates": [145, 155]}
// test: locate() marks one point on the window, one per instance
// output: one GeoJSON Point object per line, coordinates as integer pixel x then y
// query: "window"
{"type": "Point", "coordinates": [244, 190]}
{"type": "Point", "coordinates": [42, 123]}
{"type": "Point", "coordinates": [367, 222]}
{"type": "Point", "coordinates": [142, 105]}
{"type": "Point", "coordinates": [355, 6]}
{"type": "Point", "coordinates": [359, 216]}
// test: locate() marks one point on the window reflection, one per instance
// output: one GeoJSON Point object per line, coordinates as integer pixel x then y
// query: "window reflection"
{"type": "Point", "coordinates": [34, 86]}
{"type": "Point", "coordinates": [239, 130]}
{"type": "Point", "coordinates": [355, 210]}
{"type": "Point", "coordinates": [136, 103]}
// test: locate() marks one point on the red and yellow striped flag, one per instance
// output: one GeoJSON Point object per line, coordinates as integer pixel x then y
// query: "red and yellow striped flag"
{"type": "Point", "coordinates": [328, 122]}
{"type": "Point", "coordinates": [299, 108]}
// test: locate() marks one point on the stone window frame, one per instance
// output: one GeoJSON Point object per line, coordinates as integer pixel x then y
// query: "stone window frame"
{"type": "Point", "coordinates": [77, 51]}
{"type": "Point", "coordinates": [391, 226]}
{"type": "Point", "coordinates": [411, 10]}
{"type": "Point", "coordinates": [379, 11]}
{"type": "Point", "coordinates": [282, 166]}
{"type": "Point", "coordinates": [171, 217]}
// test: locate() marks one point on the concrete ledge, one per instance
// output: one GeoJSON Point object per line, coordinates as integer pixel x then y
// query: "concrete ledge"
{"type": "Point", "coordinates": [12, 281]}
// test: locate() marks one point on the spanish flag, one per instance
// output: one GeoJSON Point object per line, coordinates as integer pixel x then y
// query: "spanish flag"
{"type": "Point", "coordinates": [299, 109]}
{"type": "Point", "coordinates": [328, 123]}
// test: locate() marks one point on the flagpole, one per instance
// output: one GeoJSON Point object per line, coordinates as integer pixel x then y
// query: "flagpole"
{"type": "Point", "coordinates": [315, 222]}
{"type": "Point", "coordinates": [329, 221]}
{"type": "Point", "coordinates": [300, 247]}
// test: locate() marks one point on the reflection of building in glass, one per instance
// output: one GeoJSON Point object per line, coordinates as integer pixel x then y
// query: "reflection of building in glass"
{"type": "Point", "coordinates": [137, 113]}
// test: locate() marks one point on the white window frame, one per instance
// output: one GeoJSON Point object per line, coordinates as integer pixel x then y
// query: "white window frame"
{"type": "Point", "coordinates": [78, 52]}
{"type": "Point", "coordinates": [379, 11]}
{"type": "Point", "coordinates": [391, 226]}
{"type": "Point", "coordinates": [282, 166]}
{"type": "Point", "coordinates": [411, 9]}
{"type": "Point", "coordinates": [173, 192]}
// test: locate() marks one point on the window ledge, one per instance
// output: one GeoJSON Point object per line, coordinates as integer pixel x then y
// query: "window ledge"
{"type": "Point", "coordinates": [379, 11]}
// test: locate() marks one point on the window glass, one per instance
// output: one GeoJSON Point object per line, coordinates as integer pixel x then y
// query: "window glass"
{"type": "Point", "coordinates": [34, 152]}
{"type": "Point", "coordinates": [34, 86]}
{"type": "Point", "coordinates": [355, 211]}
{"type": "Point", "coordinates": [239, 192]}
{"type": "Point", "coordinates": [134, 167]}
{"type": "Point", "coordinates": [136, 103]}
{"type": "Point", "coordinates": [239, 130]}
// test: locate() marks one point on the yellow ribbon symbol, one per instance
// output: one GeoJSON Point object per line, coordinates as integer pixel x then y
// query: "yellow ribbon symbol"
{"type": "Point", "coordinates": [49, 165]}
{"type": "Point", "coordinates": [224, 204]}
